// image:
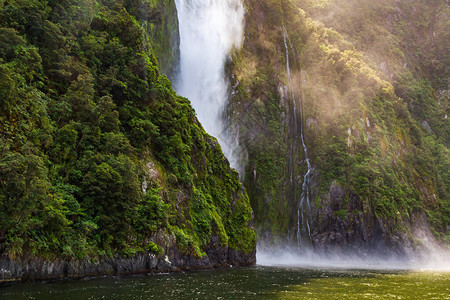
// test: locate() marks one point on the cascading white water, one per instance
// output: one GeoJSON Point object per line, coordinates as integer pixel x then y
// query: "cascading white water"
{"type": "Point", "coordinates": [303, 218]}
{"type": "Point", "coordinates": [209, 29]}
{"type": "Point", "coordinates": [305, 198]}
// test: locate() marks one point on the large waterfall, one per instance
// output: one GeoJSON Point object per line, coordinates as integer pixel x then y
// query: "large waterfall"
{"type": "Point", "coordinates": [209, 29]}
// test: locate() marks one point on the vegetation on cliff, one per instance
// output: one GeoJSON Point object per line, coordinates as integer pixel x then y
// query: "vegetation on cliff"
{"type": "Point", "coordinates": [99, 156]}
{"type": "Point", "coordinates": [373, 82]}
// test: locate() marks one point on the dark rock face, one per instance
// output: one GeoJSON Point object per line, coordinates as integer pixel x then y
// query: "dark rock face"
{"type": "Point", "coordinates": [29, 269]}
{"type": "Point", "coordinates": [348, 225]}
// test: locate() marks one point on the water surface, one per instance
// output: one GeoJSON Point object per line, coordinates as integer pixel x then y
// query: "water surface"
{"type": "Point", "coordinates": [248, 283]}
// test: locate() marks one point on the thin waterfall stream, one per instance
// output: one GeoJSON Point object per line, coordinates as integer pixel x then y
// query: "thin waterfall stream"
{"type": "Point", "coordinates": [306, 192]}
{"type": "Point", "coordinates": [304, 212]}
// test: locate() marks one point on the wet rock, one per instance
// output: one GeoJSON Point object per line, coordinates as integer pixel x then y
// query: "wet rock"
{"type": "Point", "coordinates": [142, 263]}
{"type": "Point", "coordinates": [427, 126]}
{"type": "Point", "coordinates": [347, 224]}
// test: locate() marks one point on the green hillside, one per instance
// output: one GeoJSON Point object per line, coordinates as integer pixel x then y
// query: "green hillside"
{"type": "Point", "coordinates": [99, 156]}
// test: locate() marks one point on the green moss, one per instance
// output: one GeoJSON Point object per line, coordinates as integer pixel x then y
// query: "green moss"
{"type": "Point", "coordinates": [187, 244]}
{"type": "Point", "coordinates": [155, 249]}
{"type": "Point", "coordinates": [342, 213]}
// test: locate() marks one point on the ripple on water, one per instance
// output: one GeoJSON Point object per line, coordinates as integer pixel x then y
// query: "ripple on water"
{"type": "Point", "coordinates": [247, 283]}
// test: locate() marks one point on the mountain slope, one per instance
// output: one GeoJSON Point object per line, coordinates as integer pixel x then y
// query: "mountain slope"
{"type": "Point", "coordinates": [366, 102]}
{"type": "Point", "coordinates": [100, 157]}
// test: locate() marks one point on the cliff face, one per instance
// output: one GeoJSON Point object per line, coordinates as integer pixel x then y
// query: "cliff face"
{"type": "Point", "coordinates": [30, 268]}
{"type": "Point", "coordinates": [341, 109]}
{"type": "Point", "coordinates": [365, 81]}
{"type": "Point", "coordinates": [159, 19]}
{"type": "Point", "coordinates": [100, 159]}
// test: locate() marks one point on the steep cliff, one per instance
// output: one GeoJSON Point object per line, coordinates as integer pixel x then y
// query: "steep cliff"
{"type": "Point", "coordinates": [341, 110]}
{"type": "Point", "coordinates": [365, 85]}
{"type": "Point", "coordinates": [103, 168]}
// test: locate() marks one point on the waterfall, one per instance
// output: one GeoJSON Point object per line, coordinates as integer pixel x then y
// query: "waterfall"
{"type": "Point", "coordinates": [209, 29]}
{"type": "Point", "coordinates": [304, 212]}
{"type": "Point", "coordinates": [305, 201]}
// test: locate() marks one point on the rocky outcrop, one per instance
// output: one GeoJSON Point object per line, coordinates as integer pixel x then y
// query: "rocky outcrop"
{"type": "Point", "coordinates": [349, 225]}
{"type": "Point", "coordinates": [30, 269]}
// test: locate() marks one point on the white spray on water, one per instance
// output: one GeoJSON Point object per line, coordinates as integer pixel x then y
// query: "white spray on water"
{"type": "Point", "coordinates": [436, 259]}
{"type": "Point", "coordinates": [209, 29]}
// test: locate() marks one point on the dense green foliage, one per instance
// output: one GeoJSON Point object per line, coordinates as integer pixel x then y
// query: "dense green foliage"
{"type": "Point", "coordinates": [98, 153]}
{"type": "Point", "coordinates": [372, 78]}
{"type": "Point", "coordinates": [100, 156]}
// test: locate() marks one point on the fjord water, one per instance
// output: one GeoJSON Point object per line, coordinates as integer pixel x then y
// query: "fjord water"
{"type": "Point", "coordinates": [248, 283]}
{"type": "Point", "coordinates": [279, 275]}
{"type": "Point", "coordinates": [208, 32]}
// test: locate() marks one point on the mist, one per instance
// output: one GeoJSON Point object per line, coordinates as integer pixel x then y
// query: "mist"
{"type": "Point", "coordinates": [432, 258]}
{"type": "Point", "coordinates": [208, 32]}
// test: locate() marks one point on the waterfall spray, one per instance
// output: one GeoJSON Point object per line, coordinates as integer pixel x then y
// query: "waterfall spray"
{"type": "Point", "coordinates": [209, 29]}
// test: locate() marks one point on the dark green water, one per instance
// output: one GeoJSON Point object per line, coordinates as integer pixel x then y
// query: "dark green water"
{"type": "Point", "coordinates": [247, 283]}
